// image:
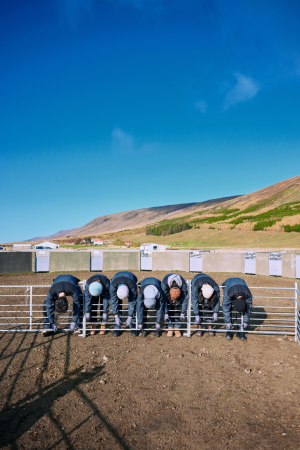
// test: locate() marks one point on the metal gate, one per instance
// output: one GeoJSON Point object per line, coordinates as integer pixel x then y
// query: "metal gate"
{"type": "Point", "coordinates": [275, 264]}
{"type": "Point", "coordinates": [275, 311]}
{"type": "Point", "coordinates": [96, 260]}
{"type": "Point", "coordinates": [42, 261]}
{"type": "Point", "coordinates": [250, 263]}
{"type": "Point", "coordinates": [146, 260]}
{"type": "Point", "coordinates": [196, 261]}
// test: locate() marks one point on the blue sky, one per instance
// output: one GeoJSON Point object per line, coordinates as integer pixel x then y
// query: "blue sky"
{"type": "Point", "coordinates": [112, 105]}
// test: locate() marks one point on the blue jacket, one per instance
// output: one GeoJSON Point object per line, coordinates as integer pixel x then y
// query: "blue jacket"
{"type": "Point", "coordinates": [184, 298]}
{"type": "Point", "coordinates": [130, 280]}
{"type": "Point", "coordinates": [160, 301]}
{"type": "Point", "coordinates": [105, 293]}
{"type": "Point", "coordinates": [197, 284]}
{"type": "Point", "coordinates": [69, 285]}
{"type": "Point", "coordinates": [232, 288]}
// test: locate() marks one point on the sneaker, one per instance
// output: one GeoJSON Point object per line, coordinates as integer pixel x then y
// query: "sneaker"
{"type": "Point", "coordinates": [134, 333]}
{"type": "Point", "coordinates": [228, 336]}
{"type": "Point", "coordinates": [144, 333]}
{"type": "Point", "coordinates": [117, 333]}
{"type": "Point", "coordinates": [241, 336]}
{"type": "Point", "coordinates": [210, 332]}
{"type": "Point", "coordinates": [77, 331]}
{"type": "Point", "coordinates": [156, 333]}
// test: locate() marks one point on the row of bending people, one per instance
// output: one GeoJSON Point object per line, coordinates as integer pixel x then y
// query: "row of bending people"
{"type": "Point", "coordinates": [156, 301]}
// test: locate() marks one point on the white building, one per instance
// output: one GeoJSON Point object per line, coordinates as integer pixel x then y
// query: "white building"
{"type": "Point", "coordinates": [47, 244]}
{"type": "Point", "coordinates": [97, 241]}
{"type": "Point", "coordinates": [21, 246]}
{"type": "Point", "coordinates": [150, 247]}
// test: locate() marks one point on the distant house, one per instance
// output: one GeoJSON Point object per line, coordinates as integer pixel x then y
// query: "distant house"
{"type": "Point", "coordinates": [97, 241]}
{"type": "Point", "coordinates": [46, 245]}
{"type": "Point", "coordinates": [127, 242]}
{"type": "Point", "coordinates": [151, 247]}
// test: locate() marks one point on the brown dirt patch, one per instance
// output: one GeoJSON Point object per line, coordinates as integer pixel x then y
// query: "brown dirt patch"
{"type": "Point", "coordinates": [152, 393]}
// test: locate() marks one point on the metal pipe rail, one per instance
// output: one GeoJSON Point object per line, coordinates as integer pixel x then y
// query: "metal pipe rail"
{"type": "Point", "coordinates": [277, 322]}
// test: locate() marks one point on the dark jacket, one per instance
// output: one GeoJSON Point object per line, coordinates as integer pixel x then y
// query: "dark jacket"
{"type": "Point", "coordinates": [130, 280]}
{"type": "Point", "coordinates": [182, 302]}
{"type": "Point", "coordinates": [160, 301]}
{"type": "Point", "coordinates": [197, 284]}
{"type": "Point", "coordinates": [232, 288]}
{"type": "Point", "coordinates": [105, 293]}
{"type": "Point", "coordinates": [69, 285]}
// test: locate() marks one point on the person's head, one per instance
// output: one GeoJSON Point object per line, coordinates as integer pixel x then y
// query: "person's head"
{"type": "Point", "coordinates": [207, 290]}
{"type": "Point", "coordinates": [95, 289]}
{"type": "Point", "coordinates": [150, 294]}
{"type": "Point", "coordinates": [61, 304]}
{"type": "Point", "coordinates": [122, 292]}
{"type": "Point", "coordinates": [175, 293]}
{"type": "Point", "coordinates": [239, 303]}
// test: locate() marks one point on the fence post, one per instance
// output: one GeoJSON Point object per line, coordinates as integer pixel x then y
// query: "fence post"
{"type": "Point", "coordinates": [296, 311]}
{"type": "Point", "coordinates": [30, 309]}
{"type": "Point", "coordinates": [83, 311]}
{"type": "Point", "coordinates": [189, 312]}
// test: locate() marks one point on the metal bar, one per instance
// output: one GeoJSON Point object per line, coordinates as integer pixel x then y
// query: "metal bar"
{"type": "Point", "coordinates": [30, 310]}
{"type": "Point", "coordinates": [296, 311]}
{"type": "Point", "coordinates": [84, 318]}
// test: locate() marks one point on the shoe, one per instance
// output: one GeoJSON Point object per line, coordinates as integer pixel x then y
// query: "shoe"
{"type": "Point", "coordinates": [77, 331]}
{"type": "Point", "coordinates": [117, 333]}
{"type": "Point", "coordinates": [170, 333]}
{"type": "Point", "coordinates": [210, 332]}
{"type": "Point", "coordinates": [241, 336]}
{"type": "Point", "coordinates": [156, 333]}
{"type": "Point", "coordinates": [144, 333]}
{"type": "Point", "coordinates": [93, 328]}
{"type": "Point", "coordinates": [47, 333]}
{"type": "Point", "coordinates": [103, 326]}
{"type": "Point", "coordinates": [177, 333]}
{"type": "Point", "coordinates": [134, 333]}
{"type": "Point", "coordinates": [200, 333]}
{"type": "Point", "coordinates": [228, 336]}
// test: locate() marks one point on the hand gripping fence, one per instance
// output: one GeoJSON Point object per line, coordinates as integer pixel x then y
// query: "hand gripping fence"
{"type": "Point", "coordinates": [275, 311]}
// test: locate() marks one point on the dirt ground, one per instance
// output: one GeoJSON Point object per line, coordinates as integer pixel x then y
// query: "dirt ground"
{"type": "Point", "coordinates": [135, 393]}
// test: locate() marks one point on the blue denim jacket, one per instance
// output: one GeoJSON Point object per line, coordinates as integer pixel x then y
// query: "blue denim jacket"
{"type": "Point", "coordinates": [232, 287]}
{"type": "Point", "coordinates": [184, 292]}
{"type": "Point", "coordinates": [130, 280]}
{"type": "Point", "coordinates": [197, 284]}
{"type": "Point", "coordinates": [160, 301]}
{"type": "Point", "coordinates": [105, 293]}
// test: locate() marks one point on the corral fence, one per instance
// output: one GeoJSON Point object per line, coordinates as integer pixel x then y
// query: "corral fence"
{"type": "Point", "coordinates": [275, 311]}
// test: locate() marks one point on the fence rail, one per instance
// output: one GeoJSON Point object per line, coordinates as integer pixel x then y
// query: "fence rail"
{"type": "Point", "coordinates": [276, 315]}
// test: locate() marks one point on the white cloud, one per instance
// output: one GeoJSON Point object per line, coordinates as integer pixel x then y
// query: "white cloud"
{"type": "Point", "coordinates": [201, 105]}
{"type": "Point", "coordinates": [245, 89]}
{"type": "Point", "coordinates": [123, 142]}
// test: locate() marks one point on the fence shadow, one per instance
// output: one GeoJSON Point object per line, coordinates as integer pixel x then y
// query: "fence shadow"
{"type": "Point", "coordinates": [18, 418]}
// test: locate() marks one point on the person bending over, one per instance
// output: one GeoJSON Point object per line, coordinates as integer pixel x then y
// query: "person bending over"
{"type": "Point", "coordinates": [176, 291]}
{"type": "Point", "coordinates": [122, 286]}
{"type": "Point", "coordinates": [236, 306]}
{"type": "Point", "coordinates": [150, 302]}
{"type": "Point", "coordinates": [96, 293]}
{"type": "Point", "coordinates": [56, 301]}
{"type": "Point", "coordinates": [205, 299]}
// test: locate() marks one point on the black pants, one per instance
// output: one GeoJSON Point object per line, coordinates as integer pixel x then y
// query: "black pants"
{"type": "Point", "coordinates": [96, 308]}
{"type": "Point", "coordinates": [149, 318]}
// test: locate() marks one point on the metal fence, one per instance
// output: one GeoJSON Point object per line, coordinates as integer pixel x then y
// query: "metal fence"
{"type": "Point", "coordinates": [275, 311]}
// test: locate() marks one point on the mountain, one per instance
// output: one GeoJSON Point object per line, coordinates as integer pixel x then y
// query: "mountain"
{"type": "Point", "coordinates": [131, 219]}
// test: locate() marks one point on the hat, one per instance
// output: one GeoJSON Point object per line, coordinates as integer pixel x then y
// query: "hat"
{"type": "Point", "coordinates": [95, 289]}
{"type": "Point", "coordinates": [174, 278]}
{"type": "Point", "coordinates": [150, 294]}
{"type": "Point", "coordinates": [122, 291]}
{"type": "Point", "coordinates": [239, 304]}
{"type": "Point", "coordinates": [207, 290]}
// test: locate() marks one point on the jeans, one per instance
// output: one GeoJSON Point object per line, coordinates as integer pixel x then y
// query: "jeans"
{"type": "Point", "coordinates": [123, 315]}
{"type": "Point", "coordinates": [174, 323]}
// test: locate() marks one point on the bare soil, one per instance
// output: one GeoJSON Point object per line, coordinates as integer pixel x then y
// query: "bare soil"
{"type": "Point", "coordinates": [107, 392]}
